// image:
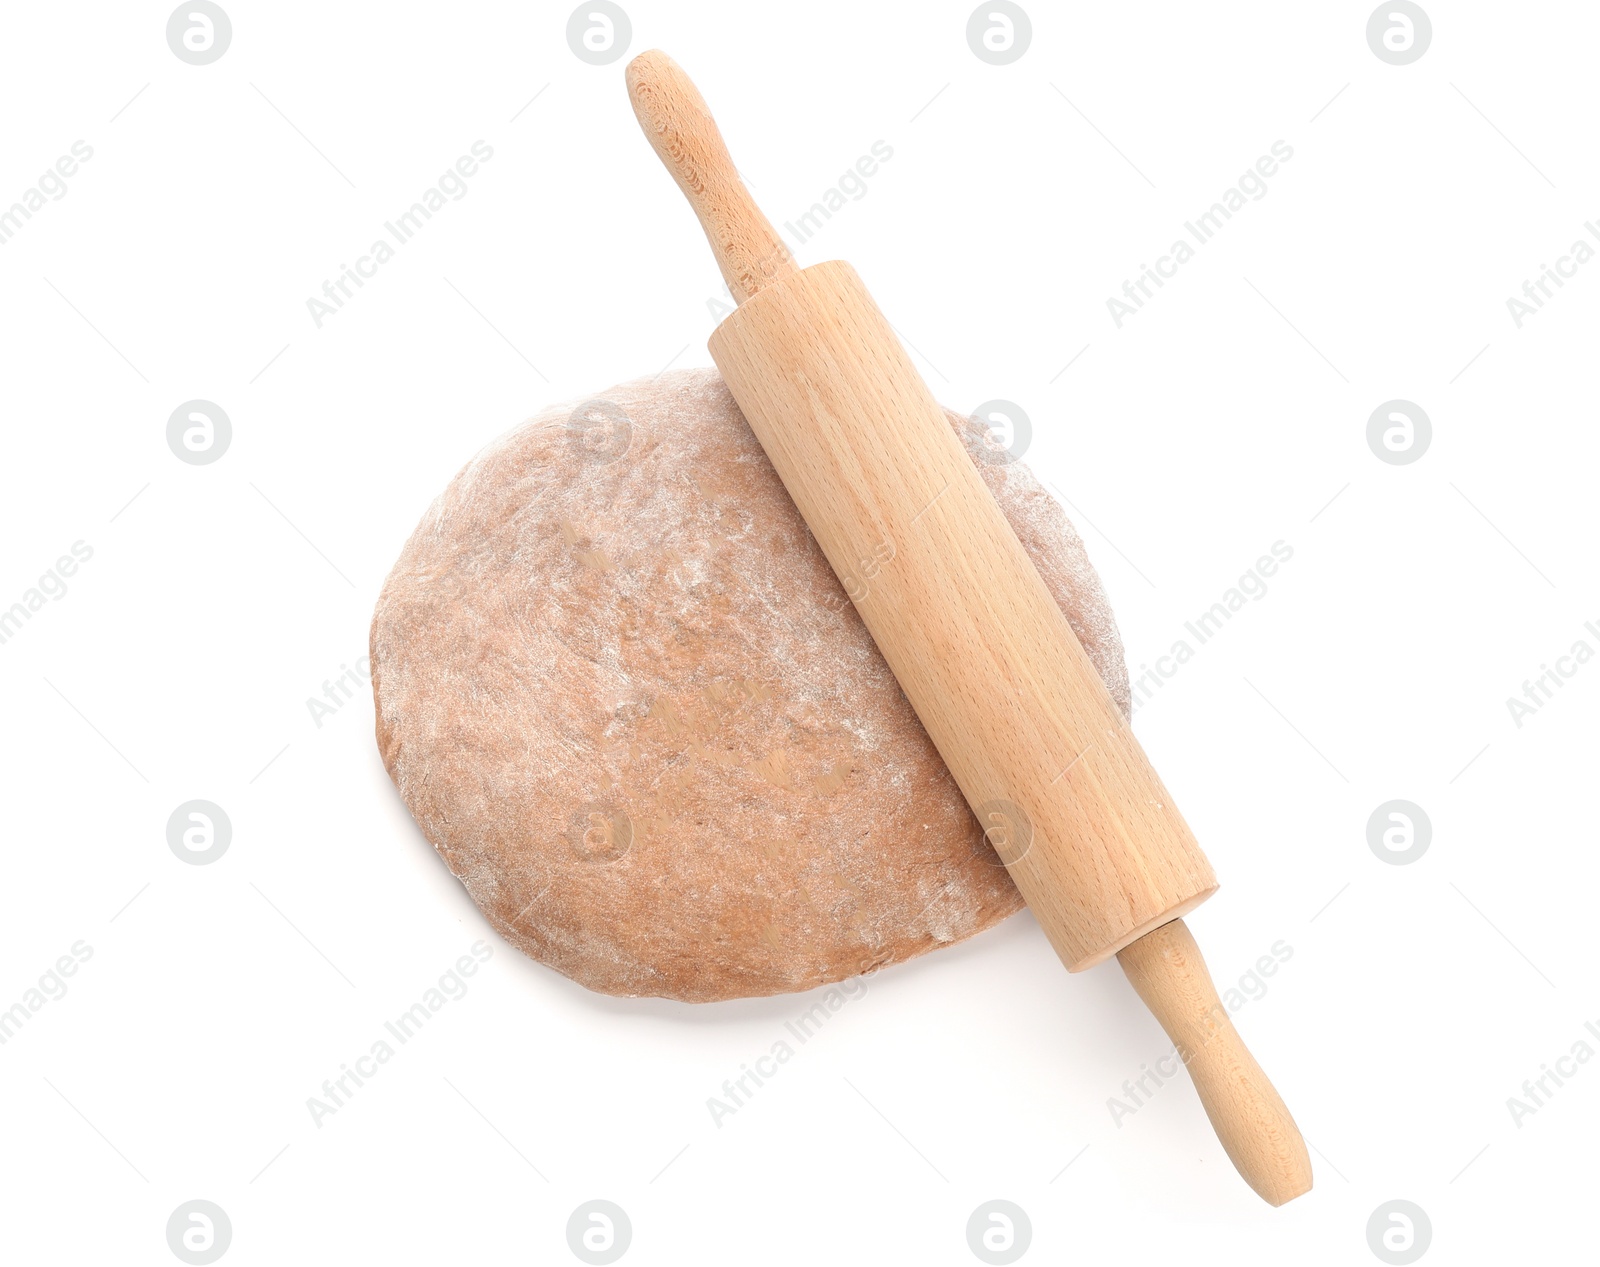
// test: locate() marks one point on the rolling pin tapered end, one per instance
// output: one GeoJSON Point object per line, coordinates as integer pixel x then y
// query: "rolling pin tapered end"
{"type": "Point", "coordinates": [1250, 1118]}
{"type": "Point", "coordinates": [674, 118]}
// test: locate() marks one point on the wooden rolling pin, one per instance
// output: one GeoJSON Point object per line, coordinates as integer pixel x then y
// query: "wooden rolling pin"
{"type": "Point", "coordinates": [993, 669]}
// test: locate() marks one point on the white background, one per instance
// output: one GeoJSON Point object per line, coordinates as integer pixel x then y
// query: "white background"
{"type": "Point", "coordinates": [1419, 598]}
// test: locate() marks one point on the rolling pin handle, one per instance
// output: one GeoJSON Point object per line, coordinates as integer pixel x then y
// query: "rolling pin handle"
{"type": "Point", "coordinates": [683, 134]}
{"type": "Point", "coordinates": [1250, 1118]}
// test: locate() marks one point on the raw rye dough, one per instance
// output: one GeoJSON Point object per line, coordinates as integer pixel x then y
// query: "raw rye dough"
{"type": "Point", "coordinates": [624, 695]}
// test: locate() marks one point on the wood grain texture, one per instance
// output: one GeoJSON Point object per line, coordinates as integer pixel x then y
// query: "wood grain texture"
{"type": "Point", "coordinates": [1052, 771]}
{"type": "Point", "coordinates": [685, 136]}
{"type": "Point", "coordinates": [992, 669]}
{"type": "Point", "coordinates": [1256, 1130]}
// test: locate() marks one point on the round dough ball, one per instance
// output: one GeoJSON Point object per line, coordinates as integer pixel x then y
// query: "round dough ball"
{"type": "Point", "coordinates": [624, 695]}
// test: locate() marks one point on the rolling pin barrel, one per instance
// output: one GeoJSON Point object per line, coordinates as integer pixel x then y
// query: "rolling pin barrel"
{"type": "Point", "coordinates": [981, 649]}
{"type": "Point", "coordinates": [1016, 709]}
